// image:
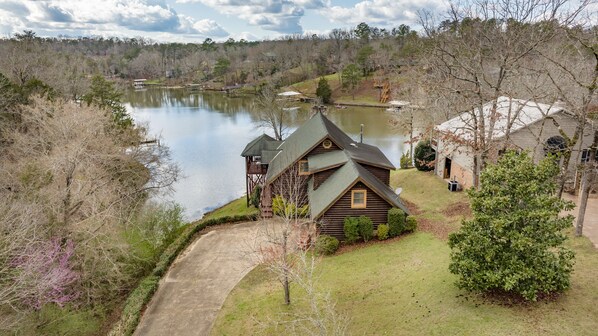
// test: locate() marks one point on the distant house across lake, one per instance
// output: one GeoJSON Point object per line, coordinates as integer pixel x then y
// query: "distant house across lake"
{"type": "Point", "coordinates": [342, 177]}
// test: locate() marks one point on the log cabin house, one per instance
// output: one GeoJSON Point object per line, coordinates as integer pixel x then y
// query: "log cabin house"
{"type": "Point", "coordinates": [341, 177]}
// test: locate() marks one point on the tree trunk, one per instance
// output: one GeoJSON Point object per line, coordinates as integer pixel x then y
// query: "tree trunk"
{"type": "Point", "coordinates": [586, 185]}
{"type": "Point", "coordinates": [287, 292]}
{"type": "Point", "coordinates": [563, 175]}
{"type": "Point", "coordinates": [583, 201]}
{"type": "Point", "coordinates": [285, 281]}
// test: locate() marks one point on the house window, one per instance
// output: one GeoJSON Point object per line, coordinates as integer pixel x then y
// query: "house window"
{"type": "Point", "coordinates": [358, 199]}
{"type": "Point", "coordinates": [303, 167]}
{"type": "Point", "coordinates": [326, 143]}
{"type": "Point", "coordinates": [585, 156]}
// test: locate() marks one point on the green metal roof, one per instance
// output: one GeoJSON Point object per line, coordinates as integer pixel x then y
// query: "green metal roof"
{"type": "Point", "coordinates": [326, 160]}
{"type": "Point", "coordinates": [268, 155]}
{"type": "Point", "coordinates": [342, 180]}
{"type": "Point", "coordinates": [259, 144]}
{"type": "Point", "coordinates": [306, 137]}
{"type": "Point", "coordinates": [369, 154]}
{"type": "Point", "coordinates": [313, 132]}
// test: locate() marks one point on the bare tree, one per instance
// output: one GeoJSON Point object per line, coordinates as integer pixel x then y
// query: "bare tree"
{"type": "Point", "coordinates": [568, 68]}
{"type": "Point", "coordinates": [477, 55]}
{"type": "Point", "coordinates": [293, 231]}
{"type": "Point", "coordinates": [320, 316]}
{"type": "Point", "coordinates": [69, 185]}
{"type": "Point", "coordinates": [270, 110]}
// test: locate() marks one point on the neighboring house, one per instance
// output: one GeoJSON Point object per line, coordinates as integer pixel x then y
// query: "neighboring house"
{"type": "Point", "coordinates": [519, 125]}
{"type": "Point", "coordinates": [342, 177]}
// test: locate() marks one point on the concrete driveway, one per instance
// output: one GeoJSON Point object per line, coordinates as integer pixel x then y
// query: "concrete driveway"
{"type": "Point", "coordinates": [590, 223]}
{"type": "Point", "coordinates": [198, 282]}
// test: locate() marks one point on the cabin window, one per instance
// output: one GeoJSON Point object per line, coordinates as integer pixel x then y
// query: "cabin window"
{"type": "Point", "coordinates": [326, 143]}
{"type": "Point", "coordinates": [303, 167]}
{"type": "Point", "coordinates": [358, 199]}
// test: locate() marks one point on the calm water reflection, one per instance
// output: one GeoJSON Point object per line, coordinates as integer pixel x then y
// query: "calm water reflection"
{"type": "Point", "coordinates": [207, 131]}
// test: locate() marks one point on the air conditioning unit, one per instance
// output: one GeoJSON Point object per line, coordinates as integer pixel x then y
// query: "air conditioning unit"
{"type": "Point", "coordinates": [453, 186]}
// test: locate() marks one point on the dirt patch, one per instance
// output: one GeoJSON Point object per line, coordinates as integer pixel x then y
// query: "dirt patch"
{"type": "Point", "coordinates": [457, 209]}
{"type": "Point", "coordinates": [440, 230]}
{"type": "Point", "coordinates": [509, 299]}
{"type": "Point", "coordinates": [413, 209]}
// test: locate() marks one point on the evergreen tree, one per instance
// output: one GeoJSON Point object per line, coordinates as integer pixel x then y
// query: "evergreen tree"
{"type": "Point", "coordinates": [103, 94]}
{"type": "Point", "coordinates": [424, 156]}
{"type": "Point", "coordinates": [514, 243]}
{"type": "Point", "coordinates": [351, 76]}
{"type": "Point", "coordinates": [323, 91]}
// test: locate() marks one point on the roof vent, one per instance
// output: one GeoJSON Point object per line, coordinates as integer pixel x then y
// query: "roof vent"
{"type": "Point", "coordinates": [353, 144]}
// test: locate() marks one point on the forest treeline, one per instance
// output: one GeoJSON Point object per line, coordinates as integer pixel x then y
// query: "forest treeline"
{"type": "Point", "coordinates": [284, 61]}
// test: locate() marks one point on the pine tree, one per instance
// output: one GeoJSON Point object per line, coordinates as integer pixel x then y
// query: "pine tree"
{"type": "Point", "coordinates": [323, 91]}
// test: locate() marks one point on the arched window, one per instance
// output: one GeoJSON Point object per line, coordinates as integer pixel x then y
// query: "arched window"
{"type": "Point", "coordinates": [555, 145]}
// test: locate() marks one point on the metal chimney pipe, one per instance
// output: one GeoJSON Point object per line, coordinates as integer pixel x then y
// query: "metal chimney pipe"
{"type": "Point", "coordinates": [361, 134]}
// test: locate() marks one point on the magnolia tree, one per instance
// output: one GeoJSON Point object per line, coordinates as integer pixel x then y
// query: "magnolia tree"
{"type": "Point", "coordinates": [514, 243]}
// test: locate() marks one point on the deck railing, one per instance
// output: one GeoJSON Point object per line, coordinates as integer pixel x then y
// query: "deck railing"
{"type": "Point", "coordinates": [257, 168]}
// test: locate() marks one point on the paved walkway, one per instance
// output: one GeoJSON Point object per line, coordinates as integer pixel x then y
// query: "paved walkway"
{"type": "Point", "coordinates": [590, 223]}
{"type": "Point", "coordinates": [193, 291]}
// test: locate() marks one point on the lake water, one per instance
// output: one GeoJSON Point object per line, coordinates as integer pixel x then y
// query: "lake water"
{"type": "Point", "coordinates": [207, 131]}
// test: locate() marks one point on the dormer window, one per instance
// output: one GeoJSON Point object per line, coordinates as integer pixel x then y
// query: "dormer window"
{"type": "Point", "coordinates": [303, 167]}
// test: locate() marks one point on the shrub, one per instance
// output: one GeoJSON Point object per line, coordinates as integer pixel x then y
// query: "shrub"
{"type": "Point", "coordinates": [424, 156]}
{"type": "Point", "coordinates": [254, 198]}
{"type": "Point", "coordinates": [134, 305]}
{"type": "Point", "coordinates": [406, 160]}
{"type": "Point", "coordinates": [326, 245]}
{"type": "Point", "coordinates": [410, 223]}
{"type": "Point", "coordinates": [396, 222]}
{"type": "Point", "coordinates": [366, 227]}
{"type": "Point", "coordinates": [283, 208]}
{"type": "Point", "coordinates": [351, 229]}
{"type": "Point", "coordinates": [382, 232]}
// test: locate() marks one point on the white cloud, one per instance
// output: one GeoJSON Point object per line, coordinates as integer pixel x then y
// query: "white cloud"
{"type": "Point", "coordinates": [209, 27]}
{"type": "Point", "coordinates": [382, 12]}
{"type": "Point", "coordinates": [103, 16]}
{"type": "Point", "coordinates": [281, 16]}
{"type": "Point", "coordinates": [247, 36]}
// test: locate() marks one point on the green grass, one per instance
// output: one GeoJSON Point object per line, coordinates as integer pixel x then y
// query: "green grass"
{"type": "Point", "coordinates": [429, 193]}
{"type": "Point", "coordinates": [236, 207]}
{"type": "Point", "coordinates": [403, 287]}
{"type": "Point", "coordinates": [438, 210]}
{"type": "Point", "coordinates": [309, 86]}
{"type": "Point", "coordinates": [64, 321]}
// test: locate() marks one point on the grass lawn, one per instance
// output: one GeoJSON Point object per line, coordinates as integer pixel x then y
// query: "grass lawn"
{"type": "Point", "coordinates": [403, 287]}
{"type": "Point", "coordinates": [236, 207]}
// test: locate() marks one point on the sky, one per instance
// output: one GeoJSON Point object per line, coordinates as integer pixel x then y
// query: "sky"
{"type": "Point", "coordinates": [196, 20]}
